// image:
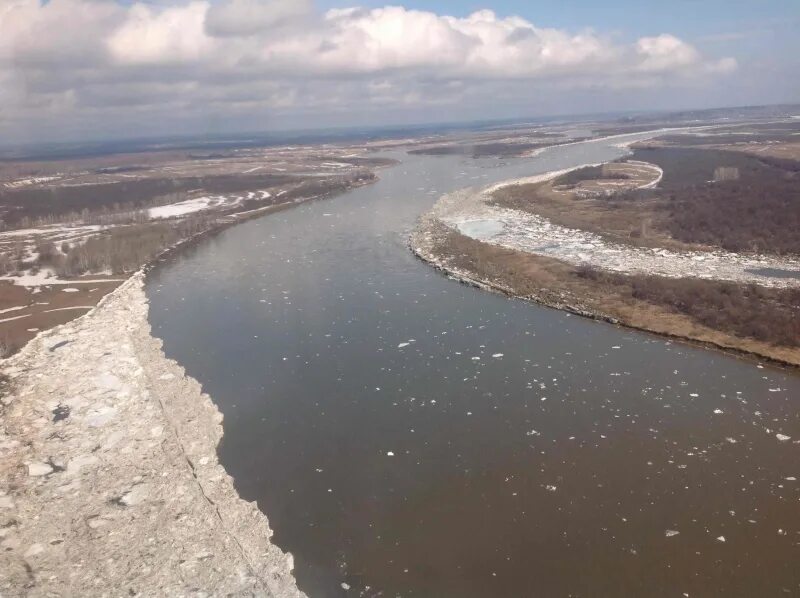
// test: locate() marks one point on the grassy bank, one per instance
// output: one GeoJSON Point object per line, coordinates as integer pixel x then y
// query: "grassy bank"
{"type": "Point", "coordinates": [763, 323]}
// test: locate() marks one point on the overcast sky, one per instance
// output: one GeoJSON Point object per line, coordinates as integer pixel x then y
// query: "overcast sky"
{"type": "Point", "coordinates": [88, 69]}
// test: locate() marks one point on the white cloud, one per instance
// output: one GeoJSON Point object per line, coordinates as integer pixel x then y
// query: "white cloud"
{"type": "Point", "coordinates": [249, 17]}
{"type": "Point", "coordinates": [86, 58]}
{"type": "Point", "coordinates": [61, 32]}
{"type": "Point", "coordinates": [161, 36]}
{"type": "Point", "coordinates": [664, 53]}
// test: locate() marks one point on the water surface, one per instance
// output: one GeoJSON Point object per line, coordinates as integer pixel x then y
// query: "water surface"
{"type": "Point", "coordinates": [408, 435]}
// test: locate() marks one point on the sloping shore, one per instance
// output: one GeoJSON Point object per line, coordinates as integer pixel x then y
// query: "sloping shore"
{"type": "Point", "coordinates": [553, 283]}
{"type": "Point", "coordinates": [472, 213]}
{"type": "Point", "coordinates": [109, 479]}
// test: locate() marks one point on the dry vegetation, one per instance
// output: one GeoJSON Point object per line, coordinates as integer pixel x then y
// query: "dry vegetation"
{"type": "Point", "coordinates": [750, 319]}
{"type": "Point", "coordinates": [741, 201]}
{"type": "Point", "coordinates": [758, 212]}
{"type": "Point", "coordinates": [620, 221]}
{"type": "Point", "coordinates": [768, 315]}
{"type": "Point", "coordinates": [87, 221]}
{"type": "Point", "coordinates": [125, 249]}
{"type": "Point", "coordinates": [47, 204]}
{"type": "Point", "coordinates": [590, 173]}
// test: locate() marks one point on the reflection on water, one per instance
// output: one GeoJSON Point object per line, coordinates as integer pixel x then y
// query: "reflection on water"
{"type": "Point", "coordinates": [407, 435]}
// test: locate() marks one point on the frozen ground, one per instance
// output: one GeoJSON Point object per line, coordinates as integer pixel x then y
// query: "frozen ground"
{"type": "Point", "coordinates": [45, 277]}
{"type": "Point", "coordinates": [109, 480]}
{"type": "Point", "coordinates": [469, 212]}
{"type": "Point", "coordinates": [200, 204]}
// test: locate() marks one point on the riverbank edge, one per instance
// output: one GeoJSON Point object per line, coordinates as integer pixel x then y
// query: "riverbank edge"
{"type": "Point", "coordinates": [238, 557]}
{"type": "Point", "coordinates": [173, 429]}
{"type": "Point", "coordinates": [260, 567]}
{"type": "Point", "coordinates": [418, 244]}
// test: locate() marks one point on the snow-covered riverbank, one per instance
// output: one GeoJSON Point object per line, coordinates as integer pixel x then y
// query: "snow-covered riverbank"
{"type": "Point", "coordinates": [471, 213]}
{"type": "Point", "coordinates": [110, 481]}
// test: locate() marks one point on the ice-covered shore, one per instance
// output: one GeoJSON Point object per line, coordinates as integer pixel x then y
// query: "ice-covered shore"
{"type": "Point", "coordinates": [471, 212]}
{"type": "Point", "coordinates": [109, 479]}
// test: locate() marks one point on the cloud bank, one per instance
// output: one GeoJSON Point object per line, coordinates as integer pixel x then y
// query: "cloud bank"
{"type": "Point", "coordinates": [97, 65]}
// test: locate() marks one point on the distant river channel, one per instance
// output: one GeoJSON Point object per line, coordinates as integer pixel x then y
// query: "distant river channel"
{"type": "Point", "coordinates": [408, 435]}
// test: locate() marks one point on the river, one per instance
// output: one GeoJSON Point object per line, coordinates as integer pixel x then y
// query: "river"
{"type": "Point", "coordinates": [408, 435]}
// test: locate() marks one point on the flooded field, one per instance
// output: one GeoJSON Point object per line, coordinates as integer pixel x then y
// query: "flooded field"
{"type": "Point", "coordinates": [408, 435]}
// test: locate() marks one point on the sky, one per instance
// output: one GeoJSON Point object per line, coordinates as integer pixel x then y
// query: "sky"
{"type": "Point", "coordinates": [103, 69]}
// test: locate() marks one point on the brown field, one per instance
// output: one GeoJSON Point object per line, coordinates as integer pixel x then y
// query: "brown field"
{"type": "Point", "coordinates": [49, 307]}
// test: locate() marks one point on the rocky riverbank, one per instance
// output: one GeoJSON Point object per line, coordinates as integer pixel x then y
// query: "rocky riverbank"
{"type": "Point", "coordinates": [110, 482]}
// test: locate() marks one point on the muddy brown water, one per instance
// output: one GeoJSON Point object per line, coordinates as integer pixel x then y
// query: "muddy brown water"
{"type": "Point", "coordinates": [411, 436]}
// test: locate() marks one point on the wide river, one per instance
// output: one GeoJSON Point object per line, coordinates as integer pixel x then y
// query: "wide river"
{"type": "Point", "coordinates": [408, 435]}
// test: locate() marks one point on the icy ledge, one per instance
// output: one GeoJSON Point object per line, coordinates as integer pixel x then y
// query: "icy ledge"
{"type": "Point", "coordinates": [471, 212]}
{"type": "Point", "coordinates": [109, 480]}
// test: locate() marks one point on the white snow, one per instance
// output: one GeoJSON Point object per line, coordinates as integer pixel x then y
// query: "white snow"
{"type": "Point", "coordinates": [14, 318]}
{"type": "Point", "coordinates": [46, 278]}
{"type": "Point", "coordinates": [654, 167]}
{"type": "Point", "coordinates": [180, 209]}
{"type": "Point", "coordinates": [30, 181]}
{"type": "Point", "coordinates": [471, 213]}
{"type": "Point", "coordinates": [59, 230]}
